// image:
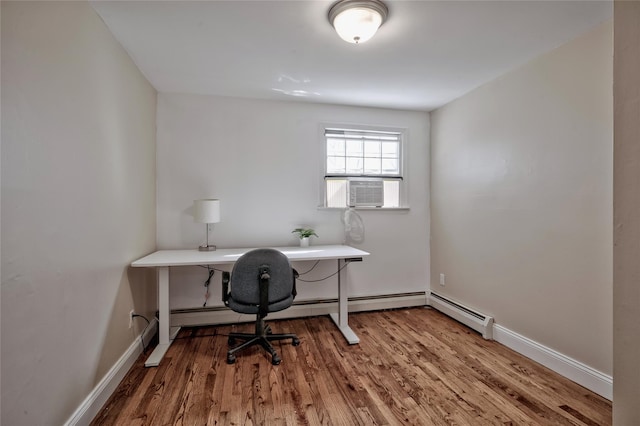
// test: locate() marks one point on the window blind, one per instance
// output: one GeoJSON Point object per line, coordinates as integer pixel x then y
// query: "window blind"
{"type": "Point", "coordinates": [362, 153]}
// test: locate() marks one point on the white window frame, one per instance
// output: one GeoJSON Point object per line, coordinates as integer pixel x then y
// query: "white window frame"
{"type": "Point", "coordinates": [401, 177]}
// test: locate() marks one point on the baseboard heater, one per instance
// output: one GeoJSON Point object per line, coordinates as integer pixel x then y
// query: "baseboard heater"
{"type": "Point", "coordinates": [476, 321]}
{"type": "Point", "coordinates": [300, 308]}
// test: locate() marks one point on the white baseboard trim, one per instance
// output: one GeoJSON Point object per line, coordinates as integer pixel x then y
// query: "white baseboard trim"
{"type": "Point", "coordinates": [92, 404]}
{"type": "Point", "coordinates": [576, 371]}
{"type": "Point", "coordinates": [222, 315]}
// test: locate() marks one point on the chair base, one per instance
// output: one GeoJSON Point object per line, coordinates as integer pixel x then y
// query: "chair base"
{"type": "Point", "coordinates": [262, 337]}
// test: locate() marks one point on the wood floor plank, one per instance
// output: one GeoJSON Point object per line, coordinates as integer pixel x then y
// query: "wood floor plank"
{"type": "Point", "coordinates": [413, 366]}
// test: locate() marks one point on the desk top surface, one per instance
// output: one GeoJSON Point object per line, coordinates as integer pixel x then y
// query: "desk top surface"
{"type": "Point", "coordinates": [226, 256]}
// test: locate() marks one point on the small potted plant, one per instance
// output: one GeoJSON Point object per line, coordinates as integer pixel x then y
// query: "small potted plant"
{"type": "Point", "coordinates": [304, 234]}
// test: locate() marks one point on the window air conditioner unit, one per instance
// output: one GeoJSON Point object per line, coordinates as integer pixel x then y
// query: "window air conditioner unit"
{"type": "Point", "coordinates": [365, 193]}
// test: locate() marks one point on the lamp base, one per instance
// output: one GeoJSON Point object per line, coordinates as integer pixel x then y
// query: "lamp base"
{"type": "Point", "coordinates": [207, 248]}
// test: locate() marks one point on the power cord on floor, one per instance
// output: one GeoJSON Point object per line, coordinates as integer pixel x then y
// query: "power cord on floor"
{"type": "Point", "coordinates": [144, 349]}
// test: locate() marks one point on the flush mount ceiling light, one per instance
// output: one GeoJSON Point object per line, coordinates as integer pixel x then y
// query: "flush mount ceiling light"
{"type": "Point", "coordinates": [356, 21]}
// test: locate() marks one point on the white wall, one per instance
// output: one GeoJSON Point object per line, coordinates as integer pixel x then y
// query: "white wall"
{"type": "Point", "coordinates": [626, 410]}
{"type": "Point", "coordinates": [78, 205]}
{"type": "Point", "coordinates": [522, 199]}
{"type": "Point", "coordinates": [263, 160]}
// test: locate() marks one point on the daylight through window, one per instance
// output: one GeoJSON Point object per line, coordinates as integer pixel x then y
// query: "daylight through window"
{"type": "Point", "coordinates": [363, 168]}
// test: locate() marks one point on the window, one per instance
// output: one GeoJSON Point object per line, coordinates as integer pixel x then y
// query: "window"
{"type": "Point", "coordinates": [363, 168]}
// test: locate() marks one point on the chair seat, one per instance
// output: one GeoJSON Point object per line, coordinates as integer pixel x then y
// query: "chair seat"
{"type": "Point", "coordinates": [253, 309]}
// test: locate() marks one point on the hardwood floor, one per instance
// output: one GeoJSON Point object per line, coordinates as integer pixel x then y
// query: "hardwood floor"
{"type": "Point", "coordinates": [413, 366]}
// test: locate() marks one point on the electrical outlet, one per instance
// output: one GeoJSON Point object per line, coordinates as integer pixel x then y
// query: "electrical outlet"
{"type": "Point", "coordinates": [442, 280]}
{"type": "Point", "coordinates": [131, 313]}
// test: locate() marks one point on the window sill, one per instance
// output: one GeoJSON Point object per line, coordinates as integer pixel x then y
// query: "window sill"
{"type": "Point", "coordinates": [367, 208]}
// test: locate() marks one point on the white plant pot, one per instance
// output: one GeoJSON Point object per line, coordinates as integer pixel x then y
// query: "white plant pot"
{"type": "Point", "coordinates": [304, 242]}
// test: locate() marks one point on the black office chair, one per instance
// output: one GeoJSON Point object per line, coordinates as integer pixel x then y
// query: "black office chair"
{"type": "Point", "coordinates": [262, 281]}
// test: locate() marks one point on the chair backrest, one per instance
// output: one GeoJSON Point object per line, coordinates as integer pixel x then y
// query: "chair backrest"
{"type": "Point", "coordinates": [245, 279]}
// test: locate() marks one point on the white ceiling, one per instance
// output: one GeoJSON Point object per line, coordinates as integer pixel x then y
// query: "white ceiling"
{"type": "Point", "coordinates": [426, 54]}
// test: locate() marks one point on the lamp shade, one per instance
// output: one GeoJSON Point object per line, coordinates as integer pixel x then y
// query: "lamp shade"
{"type": "Point", "coordinates": [206, 211]}
{"type": "Point", "coordinates": [356, 21]}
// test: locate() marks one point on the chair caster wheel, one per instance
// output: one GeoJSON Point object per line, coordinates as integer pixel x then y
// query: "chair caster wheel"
{"type": "Point", "coordinates": [275, 360]}
{"type": "Point", "coordinates": [231, 341]}
{"type": "Point", "coordinates": [295, 342]}
{"type": "Point", "coordinates": [267, 330]}
{"type": "Point", "coordinates": [231, 359]}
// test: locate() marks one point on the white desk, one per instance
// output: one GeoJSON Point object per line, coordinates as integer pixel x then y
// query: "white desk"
{"type": "Point", "coordinates": [164, 259]}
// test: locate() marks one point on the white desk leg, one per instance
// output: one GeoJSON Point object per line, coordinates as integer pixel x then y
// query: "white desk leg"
{"type": "Point", "coordinates": [165, 337]}
{"type": "Point", "coordinates": [341, 318]}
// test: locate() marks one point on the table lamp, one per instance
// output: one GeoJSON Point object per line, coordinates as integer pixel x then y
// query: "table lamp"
{"type": "Point", "coordinates": [206, 211]}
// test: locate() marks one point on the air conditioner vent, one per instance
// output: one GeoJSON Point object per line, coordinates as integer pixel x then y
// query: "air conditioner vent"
{"type": "Point", "coordinates": [366, 193]}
